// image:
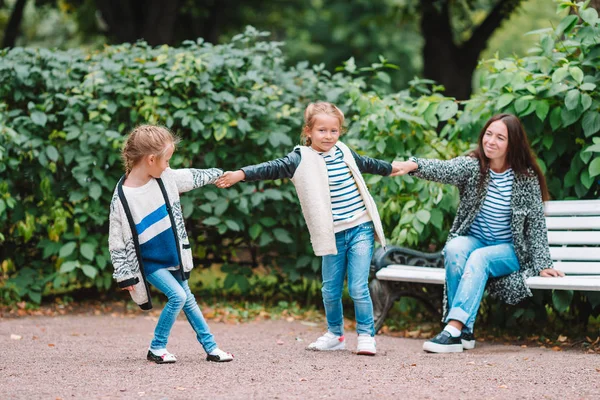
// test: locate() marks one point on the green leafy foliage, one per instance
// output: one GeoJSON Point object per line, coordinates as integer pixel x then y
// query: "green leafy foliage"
{"type": "Point", "coordinates": [64, 117]}
{"type": "Point", "coordinates": [554, 92]}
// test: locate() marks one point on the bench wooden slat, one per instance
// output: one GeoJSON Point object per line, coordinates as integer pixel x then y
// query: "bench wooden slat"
{"type": "Point", "coordinates": [408, 273]}
{"type": "Point", "coordinates": [565, 283]}
{"type": "Point", "coordinates": [574, 237]}
{"type": "Point", "coordinates": [572, 207]}
{"type": "Point", "coordinates": [413, 274]}
{"type": "Point", "coordinates": [575, 253]}
{"type": "Point", "coordinates": [578, 268]}
{"type": "Point", "coordinates": [581, 223]}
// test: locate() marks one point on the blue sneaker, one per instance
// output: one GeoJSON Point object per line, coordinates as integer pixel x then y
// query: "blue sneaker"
{"type": "Point", "coordinates": [444, 342]}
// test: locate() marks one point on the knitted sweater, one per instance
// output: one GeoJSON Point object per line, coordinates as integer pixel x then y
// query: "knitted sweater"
{"type": "Point", "coordinates": [527, 222]}
{"type": "Point", "coordinates": [122, 241]}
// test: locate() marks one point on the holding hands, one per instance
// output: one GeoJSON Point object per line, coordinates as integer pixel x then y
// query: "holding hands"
{"type": "Point", "coordinates": [230, 178]}
{"type": "Point", "coordinates": [400, 168]}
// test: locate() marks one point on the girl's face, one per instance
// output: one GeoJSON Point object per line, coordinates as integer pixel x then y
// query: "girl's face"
{"type": "Point", "coordinates": [324, 133]}
{"type": "Point", "coordinates": [495, 141]}
{"type": "Point", "coordinates": [157, 165]}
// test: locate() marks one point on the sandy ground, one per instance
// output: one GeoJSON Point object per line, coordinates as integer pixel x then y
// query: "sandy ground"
{"type": "Point", "coordinates": [103, 357]}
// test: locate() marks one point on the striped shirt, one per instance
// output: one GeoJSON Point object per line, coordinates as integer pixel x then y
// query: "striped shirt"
{"type": "Point", "coordinates": [346, 202]}
{"type": "Point", "coordinates": [153, 225]}
{"type": "Point", "coordinates": [492, 223]}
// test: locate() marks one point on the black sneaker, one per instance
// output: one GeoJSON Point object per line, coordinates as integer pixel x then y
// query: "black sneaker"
{"type": "Point", "coordinates": [443, 343]}
{"type": "Point", "coordinates": [468, 340]}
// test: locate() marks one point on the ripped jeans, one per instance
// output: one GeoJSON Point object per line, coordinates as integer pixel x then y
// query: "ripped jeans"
{"type": "Point", "coordinates": [469, 262]}
{"type": "Point", "coordinates": [355, 250]}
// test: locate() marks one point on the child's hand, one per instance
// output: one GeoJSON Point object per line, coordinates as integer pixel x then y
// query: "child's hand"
{"type": "Point", "coordinates": [403, 167]}
{"type": "Point", "coordinates": [230, 178]}
{"type": "Point", "coordinates": [129, 288]}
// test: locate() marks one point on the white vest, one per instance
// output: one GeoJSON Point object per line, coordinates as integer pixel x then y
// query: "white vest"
{"type": "Point", "coordinates": [312, 185]}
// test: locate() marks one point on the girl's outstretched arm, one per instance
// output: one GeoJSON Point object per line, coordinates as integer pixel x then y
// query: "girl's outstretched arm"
{"type": "Point", "coordinates": [276, 169]}
{"type": "Point", "coordinates": [372, 165]}
{"type": "Point", "coordinates": [192, 178]}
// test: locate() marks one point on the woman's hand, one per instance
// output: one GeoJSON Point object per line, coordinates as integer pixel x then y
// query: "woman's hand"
{"type": "Point", "coordinates": [230, 178]}
{"type": "Point", "coordinates": [129, 288]}
{"type": "Point", "coordinates": [551, 272]}
{"type": "Point", "coordinates": [403, 167]}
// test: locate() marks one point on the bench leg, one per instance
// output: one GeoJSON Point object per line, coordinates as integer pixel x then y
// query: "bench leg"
{"type": "Point", "coordinates": [383, 299]}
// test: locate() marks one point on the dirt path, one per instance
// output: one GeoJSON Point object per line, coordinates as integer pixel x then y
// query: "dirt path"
{"type": "Point", "coordinates": [97, 357]}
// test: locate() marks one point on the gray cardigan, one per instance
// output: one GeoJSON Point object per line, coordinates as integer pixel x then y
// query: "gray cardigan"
{"type": "Point", "coordinates": [528, 223]}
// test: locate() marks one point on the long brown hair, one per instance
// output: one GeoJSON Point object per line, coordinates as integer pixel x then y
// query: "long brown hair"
{"type": "Point", "coordinates": [519, 154]}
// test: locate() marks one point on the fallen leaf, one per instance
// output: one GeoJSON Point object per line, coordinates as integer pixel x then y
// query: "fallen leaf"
{"type": "Point", "coordinates": [308, 323]}
{"type": "Point", "coordinates": [279, 341]}
{"type": "Point", "coordinates": [34, 338]}
{"type": "Point", "coordinates": [290, 319]}
{"type": "Point", "coordinates": [471, 363]}
{"type": "Point", "coordinates": [413, 365]}
{"type": "Point", "coordinates": [303, 379]}
{"type": "Point", "coordinates": [524, 346]}
{"type": "Point", "coordinates": [556, 348]}
{"type": "Point", "coordinates": [525, 358]}
{"type": "Point", "coordinates": [51, 344]}
{"type": "Point", "coordinates": [597, 369]}
{"type": "Point", "coordinates": [562, 338]}
{"type": "Point", "coordinates": [502, 387]}
{"type": "Point", "coordinates": [122, 390]}
{"type": "Point", "coordinates": [180, 388]}
{"type": "Point", "coordinates": [15, 337]}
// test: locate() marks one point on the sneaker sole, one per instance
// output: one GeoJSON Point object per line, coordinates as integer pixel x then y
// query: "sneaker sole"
{"type": "Point", "coordinates": [468, 344]}
{"type": "Point", "coordinates": [365, 353]}
{"type": "Point", "coordinates": [442, 348]}
{"type": "Point", "coordinates": [217, 359]}
{"type": "Point", "coordinates": [341, 346]}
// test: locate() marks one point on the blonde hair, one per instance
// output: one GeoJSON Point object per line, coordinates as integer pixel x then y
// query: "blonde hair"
{"type": "Point", "coordinates": [146, 140]}
{"type": "Point", "coordinates": [314, 109]}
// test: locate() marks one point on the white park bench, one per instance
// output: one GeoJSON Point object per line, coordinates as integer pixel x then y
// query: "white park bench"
{"type": "Point", "coordinates": [573, 235]}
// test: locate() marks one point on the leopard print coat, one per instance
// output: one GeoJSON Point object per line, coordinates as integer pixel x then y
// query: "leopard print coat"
{"type": "Point", "coordinates": [528, 223]}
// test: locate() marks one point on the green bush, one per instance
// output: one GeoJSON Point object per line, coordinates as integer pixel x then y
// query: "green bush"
{"type": "Point", "coordinates": [64, 115]}
{"type": "Point", "coordinates": [555, 93]}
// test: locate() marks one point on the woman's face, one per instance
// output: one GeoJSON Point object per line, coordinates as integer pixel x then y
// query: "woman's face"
{"type": "Point", "coordinates": [325, 132]}
{"type": "Point", "coordinates": [495, 142]}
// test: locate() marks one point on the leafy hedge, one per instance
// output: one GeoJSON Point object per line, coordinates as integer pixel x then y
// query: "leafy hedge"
{"type": "Point", "coordinates": [64, 116]}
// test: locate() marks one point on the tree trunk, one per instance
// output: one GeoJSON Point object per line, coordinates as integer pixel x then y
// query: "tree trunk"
{"type": "Point", "coordinates": [12, 29]}
{"type": "Point", "coordinates": [444, 61]}
{"type": "Point", "coordinates": [131, 20]}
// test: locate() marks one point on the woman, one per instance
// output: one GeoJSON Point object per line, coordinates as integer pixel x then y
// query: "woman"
{"type": "Point", "coordinates": [499, 231]}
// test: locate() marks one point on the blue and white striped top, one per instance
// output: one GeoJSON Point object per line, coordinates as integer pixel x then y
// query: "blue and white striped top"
{"type": "Point", "coordinates": [492, 223]}
{"type": "Point", "coordinates": [346, 201]}
{"type": "Point", "coordinates": [153, 226]}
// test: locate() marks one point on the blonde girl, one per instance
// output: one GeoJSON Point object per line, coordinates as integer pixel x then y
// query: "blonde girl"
{"type": "Point", "coordinates": [147, 238]}
{"type": "Point", "coordinates": [340, 213]}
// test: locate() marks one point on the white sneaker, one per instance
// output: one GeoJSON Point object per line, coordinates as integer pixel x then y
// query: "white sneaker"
{"type": "Point", "coordinates": [218, 355]}
{"type": "Point", "coordinates": [161, 356]}
{"type": "Point", "coordinates": [328, 341]}
{"type": "Point", "coordinates": [366, 345]}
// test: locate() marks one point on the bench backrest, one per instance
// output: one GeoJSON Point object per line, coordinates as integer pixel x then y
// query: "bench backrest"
{"type": "Point", "coordinates": [574, 235]}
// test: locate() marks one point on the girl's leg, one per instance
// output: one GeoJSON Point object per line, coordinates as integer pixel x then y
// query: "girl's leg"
{"type": "Point", "coordinates": [164, 281]}
{"type": "Point", "coordinates": [360, 252]}
{"type": "Point", "coordinates": [495, 261]}
{"type": "Point", "coordinates": [196, 319]}
{"type": "Point", "coordinates": [334, 272]}
{"type": "Point", "coordinates": [456, 253]}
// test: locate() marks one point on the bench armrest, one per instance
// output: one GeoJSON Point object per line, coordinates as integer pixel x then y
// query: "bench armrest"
{"type": "Point", "coordinates": [401, 255]}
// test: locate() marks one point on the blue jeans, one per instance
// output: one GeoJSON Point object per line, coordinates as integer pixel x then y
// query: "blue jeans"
{"type": "Point", "coordinates": [355, 250]}
{"type": "Point", "coordinates": [179, 297]}
{"type": "Point", "coordinates": [469, 262]}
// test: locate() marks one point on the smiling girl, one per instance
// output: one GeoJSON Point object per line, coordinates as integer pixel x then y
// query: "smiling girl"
{"type": "Point", "coordinates": [340, 213]}
{"type": "Point", "coordinates": [499, 232]}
